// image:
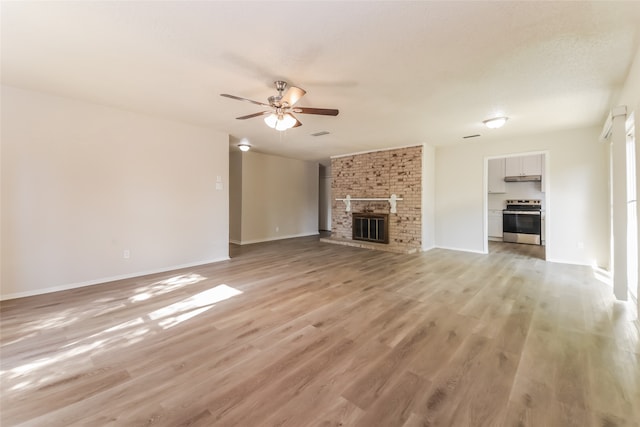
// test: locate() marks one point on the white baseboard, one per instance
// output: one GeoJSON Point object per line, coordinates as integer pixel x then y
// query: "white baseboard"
{"type": "Point", "coordinates": [429, 248]}
{"type": "Point", "coordinates": [461, 250]}
{"type": "Point", "coordinates": [271, 239]}
{"type": "Point", "coordinates": [105, 280]}
{"type": "Point", "coordinates": [564, 261]}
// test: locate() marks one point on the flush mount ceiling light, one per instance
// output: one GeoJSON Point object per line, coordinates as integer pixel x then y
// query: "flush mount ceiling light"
{"type": "Point", "coordinates": [243, 146]}
{"type": "Point", "coordinates": [496, 122]}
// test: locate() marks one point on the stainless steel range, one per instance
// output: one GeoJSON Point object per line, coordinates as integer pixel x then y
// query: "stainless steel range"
{"type": "Point", "coordinates": [521, 222]}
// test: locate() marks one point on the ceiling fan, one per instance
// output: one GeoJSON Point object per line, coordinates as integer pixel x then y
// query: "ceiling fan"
{"type": "Point", "coordinates": [280, 116]}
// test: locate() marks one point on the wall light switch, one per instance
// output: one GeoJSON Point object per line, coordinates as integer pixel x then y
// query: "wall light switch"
{"type": "Point", "coordinates": [219, 186]}
{"type": "Point", "coordinates": [218, 178]}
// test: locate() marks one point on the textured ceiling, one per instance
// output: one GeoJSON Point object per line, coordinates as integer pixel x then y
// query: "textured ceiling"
{"type": "Point", "coordinates": [400, 73]}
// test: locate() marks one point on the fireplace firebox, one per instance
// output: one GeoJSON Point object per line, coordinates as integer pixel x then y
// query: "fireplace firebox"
{"type": "Point", "coordinates": [370, 227]}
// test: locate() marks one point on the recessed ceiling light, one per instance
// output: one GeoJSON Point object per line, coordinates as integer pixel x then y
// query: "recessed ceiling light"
{"type": "Point", "coordinates": [496, 122]}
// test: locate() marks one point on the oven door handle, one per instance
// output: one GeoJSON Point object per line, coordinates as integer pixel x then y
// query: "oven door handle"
{"type": "Point", "coordinates": [520, 213]}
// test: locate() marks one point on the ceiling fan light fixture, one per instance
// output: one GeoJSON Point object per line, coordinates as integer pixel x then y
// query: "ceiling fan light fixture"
{"type": "Point", "coordinates": [280, 121]}
{"type": "Point", "coordinates": [287, 121]}
{"type": "Point", "coordinates": [282, 105]}
{"type": "Point", "coordinates": [271, 120]}
{"type": "Point", "coordinates": [496, 122]}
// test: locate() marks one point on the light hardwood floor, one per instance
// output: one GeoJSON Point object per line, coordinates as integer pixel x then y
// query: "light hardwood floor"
{"type": "Point", "coordinates": [305, 333]}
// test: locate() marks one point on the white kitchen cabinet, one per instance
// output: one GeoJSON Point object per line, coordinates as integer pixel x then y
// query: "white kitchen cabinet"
{"type": "Point", "coordinates": [513, 166]}
{"type": "Point", "coordinates": [524, 165]}
{"type": "Point", "coordinates": [496, 182]}
{"type": "Point", "coordinates": [532, 165]}
{"type": "Point", "coordinates": [494, 224]}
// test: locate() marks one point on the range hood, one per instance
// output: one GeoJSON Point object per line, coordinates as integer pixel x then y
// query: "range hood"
{"type": "Point", "coordinates": [523, 178]}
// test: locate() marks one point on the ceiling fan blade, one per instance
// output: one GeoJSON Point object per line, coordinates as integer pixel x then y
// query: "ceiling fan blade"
{"type": "Point", "coordinates": [262, 113]}
{"type": "Point", "coordinates": [321, 111]}
{"type": "Point", "coordinates": [298, 122]}
{"type": "Point", "coordinates": [244, 99]}
{"type": "Point", "coordinates": [292, 95]}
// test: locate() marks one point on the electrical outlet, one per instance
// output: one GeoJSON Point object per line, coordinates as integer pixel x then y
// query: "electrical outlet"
{"type": "Point", "coordinates": [126, 254]}
{"type": "Point", "coordinates": [277, 229]}
{"type": "Point", "coordinates": [580, 245]}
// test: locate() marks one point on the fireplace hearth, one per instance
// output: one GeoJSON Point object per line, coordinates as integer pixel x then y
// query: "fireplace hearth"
{"type": "Point", "coordinates": [370, 227]}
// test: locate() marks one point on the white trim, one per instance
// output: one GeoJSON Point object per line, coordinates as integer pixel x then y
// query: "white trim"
{"type": "Point", "coordinates": [430, 248]}
{"type": "Point", "coordinates": [461, 250]}
{"type": "Point", "coordinates": [270, 239]}
{"type": "Point", "coordinates": [520, 154]}
{"type": "Point", "coordinates": [564, 261]}
{"type": "Point", "coordinates": [485, 204]}
{"type": "Point", "coordinates": [106, 280]}
{"type": "Point", "coordinates": [375, 151]}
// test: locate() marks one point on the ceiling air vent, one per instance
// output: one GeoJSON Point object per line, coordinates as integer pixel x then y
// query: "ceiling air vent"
{"type": "Point", "coordinates": [324, 132]}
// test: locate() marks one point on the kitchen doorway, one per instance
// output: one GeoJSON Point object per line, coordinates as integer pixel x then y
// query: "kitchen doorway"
{"type": "Point", "coordinates": [517, 197]}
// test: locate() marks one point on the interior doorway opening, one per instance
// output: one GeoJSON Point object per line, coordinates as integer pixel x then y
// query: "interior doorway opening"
{"type": "Point", "coordinates": [517, 188]}
{"type": "Point", "coordinates": [324, 194]}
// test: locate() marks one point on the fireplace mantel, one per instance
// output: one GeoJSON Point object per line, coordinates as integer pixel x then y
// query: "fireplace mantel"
{"type": "Point", "coordinates": [392, 201]}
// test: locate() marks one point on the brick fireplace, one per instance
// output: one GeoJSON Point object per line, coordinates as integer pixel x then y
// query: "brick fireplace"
{"type": "Point", "coordinates": [379, 174]}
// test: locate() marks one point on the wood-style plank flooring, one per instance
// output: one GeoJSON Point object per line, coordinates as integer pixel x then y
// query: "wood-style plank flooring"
{"type": "Point", "coordinates": [305, 333]}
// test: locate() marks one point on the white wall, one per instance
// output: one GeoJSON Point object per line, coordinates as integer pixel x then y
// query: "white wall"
{"type": "Point", "coordinates": [428, 197]}
{"type": "Point", "coordinates": [279, 198]}
{"type": "Point", "coordinates": [235, 196]}
{"type": "Point", "coordinates": [577, 210]}
{"type": "Point", "coordinates": [83, 182]}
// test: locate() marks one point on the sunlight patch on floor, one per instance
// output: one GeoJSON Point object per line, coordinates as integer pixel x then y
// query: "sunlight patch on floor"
{"type": "Point", "coordinates": [121, 335]}
{"type": "Point", "coordinates": [166, 286]}
{"type": "Point", "coordinates": [202, 299]}
{"type": "Point", "coordinates": [170, 322]}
